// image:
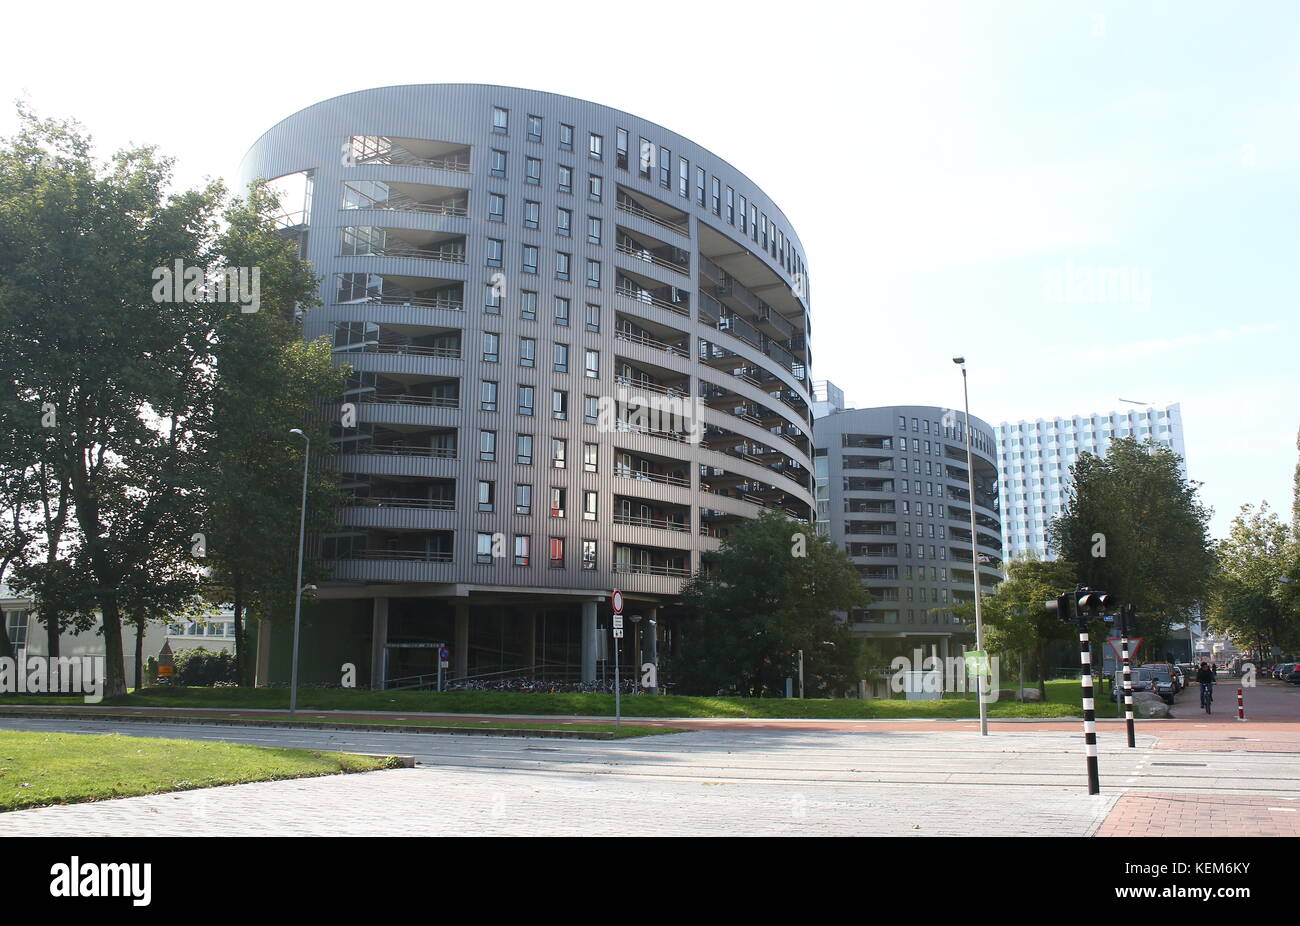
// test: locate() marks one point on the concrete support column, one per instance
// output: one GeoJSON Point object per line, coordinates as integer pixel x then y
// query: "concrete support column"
{"type": "Point", "coordinates": [378, 644]}
{"type": "Point", "coordinates": [530, 641]}
{"type": "Point", "coordinates": [589, 641]}
{"type": "Point", "coordinates": [460, 646]}
{"type": "Point", "coordinates": [652, 644]}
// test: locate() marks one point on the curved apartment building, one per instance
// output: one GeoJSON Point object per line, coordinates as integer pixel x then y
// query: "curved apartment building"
{"type": "Point", "coordinates": [579, 346]}
{"type": "Point", "coordinates": [893, 492]}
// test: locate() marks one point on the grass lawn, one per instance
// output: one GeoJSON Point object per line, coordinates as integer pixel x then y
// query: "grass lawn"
{"type": "Point", "coordinates": [63, 768]}
{"type": "Point", "coordinates": [1062, 701]}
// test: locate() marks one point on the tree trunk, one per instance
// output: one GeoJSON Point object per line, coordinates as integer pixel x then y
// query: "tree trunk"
{"type": "Point", "coordinates": [6, 645]}
{"type": "Point", "coordinates": [52, 635]}
{"type": "Point", "coordinates": [139, 653]}
{"type": "Point", "coordinates": [240, 653]}
{"type": "Point", "coordinates": [1042, 671]}
{"type": "Point", "coordinates": [114, 667]}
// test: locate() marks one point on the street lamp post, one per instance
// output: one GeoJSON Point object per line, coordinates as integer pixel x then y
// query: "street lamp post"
{"type": "Point", "coordinates": [298, 588]}
{"type": "Point", "coordinates": [974, 548]}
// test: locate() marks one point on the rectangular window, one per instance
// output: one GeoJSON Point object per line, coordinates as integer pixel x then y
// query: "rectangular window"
{"type": "Point", "coordinates": [593, 230]}
{"type": "Point", "coordinates": [492, 299]}
{"type": "Point", "coordinates": [699, 185]}
{"type": "Point", "coordinates": [497, 163]}
{"type": "Point", "coordinates": [532, 214]}
{"type": "Point", "coordinates": [562, 262]}
{"type": "Point", "coordinates": [483, 549]}
{"type": "Point", "coordinates": [487, 446]}
{"type": "Point", "coordinates": [496, 207]}
{"type": "Point", "coordinates": [487, 396]}
{"type": "Point", "coordinates": [593, 317]}
{"type": "Point", "coordinates": [486, 496]}
{"type": "Point", "coordinates": [591, 458]}
{"type": "Point", "coordinates": [524, 449]}
{"type": "Point", "coordinates": [744, 205]}
{"type": "Point", "coordinates": [523, 545]}
{"type": "Point", "coordinates": [683, 176]}
{"type": "Point", "coordinates": [530, 258]}
{"type": "Point", "coordinates": [590, 409]}
{"type": "Point", "coordinates": [593, 273]}
{"type": "Point", "coordinates": [595, 188]}
{"type": "Point", "coordinates": [560, 358]}
{"type": "Point", "coordinates": [557, 552]}
{"type": "Point", "coordinates": [534, 128]}
{"type": "Point", "coordinates": [561, 311]}
{"type": "Point", "coordinates": [566, 137]}
{"type": "Point", "coordinates": [491, 347]}
{"type": "Point", "coordinates": [731, 206]}
{"type": "Point", "coordinates": [559, 452]}
{"type": "Point", "coordinates": [589, 505]}
{"type": "Point", "coordinates": [528, 352]}
{"type": "Point", "coordinates": [527, 400]}
{"type": "Point", "coordinates": [620, 154]}
{"type": "Point", "coordinates": [566, 179]}
{"type": "Point", "coordinates": [595, 147]}
{"type": "Point", "coordinates": [557, 502]}
{"type": "Point", "coordinates": [593, 364]}
{"type": "Point", "coordinates": [559, 405]}
{"type": "Point", "coordinates": [528, 305]}
{"type": "Point", "coordinates": [533, 170]}
{"type": "Point", "coordinates": [715, 196]}
{"type": "Point", "coordinates": [500, 120]}
{"type": "Point", "coordinates": [589, 554]}
{"type": "Point", "coordinates": [495, 252]}
{"type": "Point", "coordinates": [646, 162]}
{"type": "Point", "coordinates": [563, 222]}
{"type": "Point", "coordinates": [753, 222]}
{"type": "Point", "coordinates": [665, 167]}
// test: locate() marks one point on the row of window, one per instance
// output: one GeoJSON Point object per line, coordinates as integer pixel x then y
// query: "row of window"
{"type": "Point", "coordinates": [524, 446]}
{"type": "Point", "coordinates": [654, 164]}
{"type": "Point", "coordinates": [491, 353]}
{"type": "Point", "coordinates": [563, 265]}
{"type": "Point", "coordinates": [978, 440]}
{"type": "Point", "coordinates": [523, 500]}
{"type": "Point", "coordinates": [486, 552]}
{"type": "Point", "coordinates": [526, 402]}
{"type": "Point", "coordinates": [561, 307]}
{"type": "Point", "coordinates": [532, 218]}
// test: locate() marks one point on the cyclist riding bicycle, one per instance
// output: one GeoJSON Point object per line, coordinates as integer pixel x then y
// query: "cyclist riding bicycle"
{"type": "Point", "coordinates": [1205, 676]}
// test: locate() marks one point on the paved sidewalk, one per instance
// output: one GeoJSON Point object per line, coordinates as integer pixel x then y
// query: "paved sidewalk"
{"type": "Point", "coordinates": [1203, 815]}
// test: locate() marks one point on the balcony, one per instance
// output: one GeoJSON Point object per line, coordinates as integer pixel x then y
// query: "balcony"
{"type": "Point", "coordinates": [405, 197]}
{"type": "Point", "coordinates": [627, 330]}
{"type": "Point", "coordinates": [374, 241]}
{"type": "Point", "coordinates": [663, 524]}
{"type": "Point", "coordinates": [381, 289]}
{"type": "Point", "coordinates": [409, 152]}
{"type": "Point", "coordinates": [651, 293]}
{"type": "Point", "coordinates": [642, 468]}
{"type": "Point", "coordinates": [642, 248]}
{"type": "Point", "coordinates": [370, 338]}
{"type": "Point", "coordinates": [652, 210]}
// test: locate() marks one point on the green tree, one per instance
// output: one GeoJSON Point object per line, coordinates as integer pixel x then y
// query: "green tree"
{"type": "Point", "coordinates": [119, 379]}
{"type": "Point", "coordinates": [773, 589]}
{"type": "Point", "coordinates": [1247, 600]}
{"type": "Point", "coordinates": [1136, 528]}
{"type": "Point", "coordinates": [1016, 620]}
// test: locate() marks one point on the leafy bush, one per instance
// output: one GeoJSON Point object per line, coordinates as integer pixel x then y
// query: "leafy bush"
{"type": "Point", "coordinates": [202, 668]}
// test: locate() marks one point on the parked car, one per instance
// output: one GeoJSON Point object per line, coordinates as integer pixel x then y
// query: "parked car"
{"type": "Point", "coordinates": [1182, 677]}
{"type": "Point", "coordinates": [1290, 672]}
{"type": "Point", "coordinates": [1162, 681]}
{"type": "Point", "coordinates": [1170, 671]}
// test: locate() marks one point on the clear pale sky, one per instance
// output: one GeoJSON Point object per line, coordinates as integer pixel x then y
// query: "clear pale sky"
{"type": "Point", "coordinates": [949, 168]}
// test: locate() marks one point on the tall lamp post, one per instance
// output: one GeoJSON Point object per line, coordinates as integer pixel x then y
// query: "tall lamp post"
{"type": "Point", "coordinates": [974, 548]}
{"type": "Point", "coordinates": [298, 587]}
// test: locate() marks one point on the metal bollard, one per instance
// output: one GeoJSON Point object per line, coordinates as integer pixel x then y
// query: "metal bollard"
{"type": "Point", "coordinates": [1241, 705]}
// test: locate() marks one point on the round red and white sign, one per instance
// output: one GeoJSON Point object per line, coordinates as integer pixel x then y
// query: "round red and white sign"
{"type": "Point", "coordinates": [617, 601]}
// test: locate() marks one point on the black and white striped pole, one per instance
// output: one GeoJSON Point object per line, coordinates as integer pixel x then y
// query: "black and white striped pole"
{"type": "Point", "coordinates": [1086, 603]}
{"type": "Point", "coordinates": [1126, 616]}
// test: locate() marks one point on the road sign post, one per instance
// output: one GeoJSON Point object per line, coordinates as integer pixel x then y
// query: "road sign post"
{"type": "Point", "coordinates": [616, 602]}
{"type": "Point", "coordinates": [1126, 614]}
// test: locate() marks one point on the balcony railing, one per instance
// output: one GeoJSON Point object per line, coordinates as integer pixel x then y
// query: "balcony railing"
{"type": "Point", "coordinates": [404, 450]}
{"type": "Point", "coordinates": [651, 570]}
{"type": "Point", "coordinates": [425, 556]}
{"type": "Point", "coordinates": [626, 472]}
{"type": "Point", "coordinates": [402, 398]}
{"type": "Point", "coordinates": [644, 296]}
{"type": "Point", "coordinates": [404, 158]}
{"type": "Point", "coordinates": [651, 258]}
{"type": "Point", "coordinates": [663, 524]}
{"type": "Point", "coordinates": [627, 205]}
{"type": "Point", "coordinates": [433, 302]}
{"type": "Point", "coordinates": [649, 386]}
{"type": "Point", "coordinates": [678, 436]}
{"type": "Point", "coordinates": [452, 255]}
{"type": "Point", "coordinates": [370, 501]}
{"type": "Point", "coordinates": [451, 353]}
{"type": "Point", "coordinates": [635, 338]}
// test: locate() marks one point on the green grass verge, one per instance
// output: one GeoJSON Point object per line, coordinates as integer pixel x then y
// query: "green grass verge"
{"type": "Point", "coordinates": [1062, 701]}
{"type": "Point", "coordinates": [37, 769]}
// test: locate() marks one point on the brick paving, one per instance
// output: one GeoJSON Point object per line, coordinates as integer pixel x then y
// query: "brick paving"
{"type": "Point", "coordinates": [1203, 815]}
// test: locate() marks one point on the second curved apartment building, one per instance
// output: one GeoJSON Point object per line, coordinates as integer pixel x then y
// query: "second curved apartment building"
{"type": "Point", "coordinates": [579, 346]}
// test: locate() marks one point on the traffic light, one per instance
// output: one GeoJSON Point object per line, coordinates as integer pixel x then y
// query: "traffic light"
{"type": "Point", "coordinates": [1092, 603]}
{"type": "Point", "coordinates": [1061, 608]}
{"type": "Point", "coordinates": [1127, 620]}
